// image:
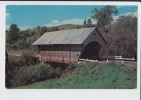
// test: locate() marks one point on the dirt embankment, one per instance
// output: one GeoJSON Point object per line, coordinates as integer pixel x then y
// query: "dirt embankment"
{"type": "Point", "coordinates": [13, 53]}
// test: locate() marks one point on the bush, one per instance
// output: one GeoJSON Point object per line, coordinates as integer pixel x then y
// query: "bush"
{"type": "Point", "coordinates": [26, 75]}
{"type": "Point", "coordinates": [19, 45]}
{"type": "Point", "coordinates": [85, 76]}
{"type": "Point", "coordinates": [26, 59]}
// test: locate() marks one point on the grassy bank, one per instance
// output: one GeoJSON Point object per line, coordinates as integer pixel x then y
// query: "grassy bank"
{"type": "Point", "coordinates": [88, 76]}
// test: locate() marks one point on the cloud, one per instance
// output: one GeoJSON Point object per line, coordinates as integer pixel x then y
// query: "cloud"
{"type": "Point", "coordinates": [93, 20]}
{"type": "Point", "coordinates": [55, 21]}
{"type": "Point", "coordinates": [75, 21]}
{"type": "Point", "coordinates": [8, 17]}
{"type": "Point", "coordinates": [7, 14]}
{"type": "Point", "coordinates": [69, 21]}
{"type": "Point", "coordinates": [126, 14]}
{"type": "Point", "coordinates": [23, 27]}
{"type": "Point", "coordinates": [134, 13]}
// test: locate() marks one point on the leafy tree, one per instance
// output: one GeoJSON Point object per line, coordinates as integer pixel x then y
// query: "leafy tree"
{"type": "Point", "coordinates": [54, 29]}
{"type": "Point", "coordinates": [23, 35]}
{"type": "Point", "coordinates": [89, 22]}
{"type": "Point", "coordinates": [37, 30]}
{"type": "Point", "coordinates": [19, 45]}
{"type": "Point", "coordinates": [104, 15]}
{"type": "Point", "coordinates": [84, 23]}
{"type": "Point", "coordinates": [8, 71]}
{"type": "Point", "coordinates": [78, 27]}
{"type": "Point", "coordinates": [43, 30]}
{"type": "Point", "coordinates": [128, 30]}
{"type": "Point", "coordinates": [13, 33]}
{"type": "Point", "coordinates": [122, 37]}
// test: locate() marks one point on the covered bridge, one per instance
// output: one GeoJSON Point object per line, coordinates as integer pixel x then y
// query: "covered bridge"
{"type": "Point", "coordinates": [68, 46]}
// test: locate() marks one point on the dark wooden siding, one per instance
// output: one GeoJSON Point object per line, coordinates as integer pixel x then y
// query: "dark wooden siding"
{"type": "Point", "coordinates": [60, 53]}
{"type": "Point", "coordinates": [95, 36]}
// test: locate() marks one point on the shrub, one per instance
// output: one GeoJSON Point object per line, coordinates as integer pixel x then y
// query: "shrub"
{"type": "Point", "coordinates": [85, 76]}
{"type": "Point", "coordinates": [31, 74]}
{"type": "Point", "coordinates": [26, 59]}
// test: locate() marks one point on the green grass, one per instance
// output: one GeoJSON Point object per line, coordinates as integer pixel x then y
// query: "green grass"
{"type": "Point", "coordinates": [92, 77]}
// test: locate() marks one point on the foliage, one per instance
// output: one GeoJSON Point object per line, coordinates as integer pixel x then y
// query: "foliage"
{"type": "Point", "coordinates": [19, 45]}
{"type": "Point", "coordinates": [13, 33]}
{"type": "Point", "coordinates": [77, 27]}
{"type": "Point", "coordinates": [8, 71]}
{"type": "Point", "coordinates": [122, 37]}
{"type": "Point", "coordinates": [23, 40]}
{"type": "Point", "coordinates": [104, 15]}
{"type": "Point", "coordinates": [27, 58]}
{"type": "Point", "coordinates": [31, 74]}
{"type": "Point", "coordinates": [84, 23]}
{"type": "Point", "coordinates": [89, 22]}
{"type": "Point", "coordinates": [43, 30]}
{"type": "Point", "coordinates": [88, 76]}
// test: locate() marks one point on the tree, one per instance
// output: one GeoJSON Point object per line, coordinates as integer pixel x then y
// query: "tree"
{"type": "Point", "coordinates": [77, 27]}
{"type": "Point", "coordinates": [84, 23]}
{"type": "Point", "coordinates": [104, 15]}
{"type": "Point", "coordinates": [122, 38]}
{"type": "Point", "coordinates": [126, 26]}
{"type": "Point", "coordinates": [89, 22]}
{"type": "Point", "coordinates": [8, 71]}
{"type": "Point", "coordinates": [13, 33]}
{"type": "Point", "coordinates": [43, 30]}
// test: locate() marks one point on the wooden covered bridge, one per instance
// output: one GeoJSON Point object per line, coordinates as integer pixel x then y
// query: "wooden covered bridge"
{"type": "Point", "coordinates": [68, 46]}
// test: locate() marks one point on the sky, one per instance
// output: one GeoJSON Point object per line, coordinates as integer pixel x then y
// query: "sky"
{"type": "Point", "coordinates": [31, 16]}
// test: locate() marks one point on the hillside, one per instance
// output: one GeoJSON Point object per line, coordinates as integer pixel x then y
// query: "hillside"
{"type": "Point", "coordinates": [91, 77]}
{"type": "Point", "coordinates": [66, 27]}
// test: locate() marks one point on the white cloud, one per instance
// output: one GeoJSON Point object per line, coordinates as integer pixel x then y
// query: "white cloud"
{"type": "Point", "coordinates": [8, 17]}
{"type": "Point", "coordinates": [126, 14]}
{"type": "Point", "coordinates": [69, 21]}
{"type": "Point", "coordinates": [134, 13]}
{"type": "Point", "coordinates": [23, 27]}
{"type": "Point", "coordinates": [55, 21]}
{"type": "Point", "coordinates": [93, 20]}
{"type": "Point", "coordinates": [7, 14]}
{"type": "Point", "coordinates": [75, 21]}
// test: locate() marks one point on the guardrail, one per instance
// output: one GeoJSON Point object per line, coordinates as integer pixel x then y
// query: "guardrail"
{"type": "Point", "coordinates": [120, 58]}
{"type": "Point", "coordinates": [110, 58]}
{"type": "Point", "coordinates": [115, 58]}
{"type": "Point", "coordinates": [88, 60]}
